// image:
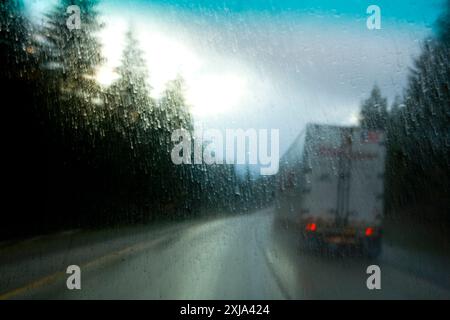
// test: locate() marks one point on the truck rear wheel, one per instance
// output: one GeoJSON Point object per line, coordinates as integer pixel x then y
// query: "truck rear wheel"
{"type": "Point", "coordinates": [372, 247]}
{"type": "Point", "coordinates": [311, 244]}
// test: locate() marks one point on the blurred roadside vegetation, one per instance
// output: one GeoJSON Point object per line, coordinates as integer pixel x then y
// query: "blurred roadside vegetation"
{"type": "Point", "coordinates": [79, 155]}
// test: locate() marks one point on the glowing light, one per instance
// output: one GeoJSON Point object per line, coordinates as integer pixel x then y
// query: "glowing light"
{"type": "Point", "coordinates": [209, 88]}
{"type": "Point", "coordinates": [106, 76]}
{"type": "Point", "coordinates": [214, 93]}
{"type": "Point", "coordinates": [354, 118]}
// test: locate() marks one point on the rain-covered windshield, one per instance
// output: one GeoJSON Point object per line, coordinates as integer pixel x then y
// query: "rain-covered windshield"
{"type": "Point", "coordinates": [172, 149]}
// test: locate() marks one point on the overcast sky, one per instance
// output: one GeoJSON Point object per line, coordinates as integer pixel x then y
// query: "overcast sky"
{"type": "Point", "coordinates": [270, 64]}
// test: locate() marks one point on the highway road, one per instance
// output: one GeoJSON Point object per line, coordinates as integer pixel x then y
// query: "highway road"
{"type": "Point", "coordinates": [250, 256]}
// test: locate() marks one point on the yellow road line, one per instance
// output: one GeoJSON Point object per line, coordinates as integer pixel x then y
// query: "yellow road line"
{"type": "Point", "coordinates": [35, 284]}
{"type": "Point", "coordinates": [108, 258]}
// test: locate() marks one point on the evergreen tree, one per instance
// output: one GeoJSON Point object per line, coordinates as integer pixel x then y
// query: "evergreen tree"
{"type": "Point", "coordinates": [73, 115]}
{"type": "Point", "coordinates": [23, 148]}
{"type": "Point", "coordinates": [75, 52]}
{"type": "Point", "coordinates": [173, 114]}
{"type": "Point", "coordinates": [418, 158]}
{"type": "Point", "coordinates": [17, 53]}
{"type": "Point", "coordinates": [70, 58]}
{"type": "Point", "coordinates": [129, 99]}
{"type": "Point", "coordinates": [174, 111]}
{"type": "Point", "coordinates": [427, 100]}
{"type": "Point", "coordinates": [132, 88]}
{"type": "Point", "coordinates": [374, 110]}
{"type": "Point", "coordinates": [443, 24]}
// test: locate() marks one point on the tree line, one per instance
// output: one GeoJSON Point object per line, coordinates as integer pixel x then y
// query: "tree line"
{"type": "Point", "coordinates": [80, 155]}
{"type": "Point", "coordinates": [417, 125]}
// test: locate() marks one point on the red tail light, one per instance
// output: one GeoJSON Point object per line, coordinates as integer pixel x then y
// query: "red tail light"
{"type": "Point", "coordinates": [311, 227]}
{"type": "Point", "coordinates": [369, 232]}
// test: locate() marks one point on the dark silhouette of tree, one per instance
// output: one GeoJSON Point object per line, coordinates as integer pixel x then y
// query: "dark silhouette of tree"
{"type": "Point", "coordinates": [132, 108]}
{"type": "Point", "coordinates": [88, 156]}
{"type": "Point", "coordinates": [73, 114]}
{"type": "Point", "coordinates": [77, 52]}
{"type": "Point", "coordinates": [70, 58]}
{"type": "Point", "coordinates": [374, 110]}
{"type": "Point", "coordinates": [17, 52]}
{"type": "Point", "coordinates": [21, 148]}
{"type": "Point", "coordinates": [174, 111]}
{"type": "Point", "coordinates": [172, 114]}
{"type": "Point", "coordinates": [443, 24]}
{"type": "Point", "coordinates": [132, 88]}
{"type": "Point", "coordinates": [418, 163]}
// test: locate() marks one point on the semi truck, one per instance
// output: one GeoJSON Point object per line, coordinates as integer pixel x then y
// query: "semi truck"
{"type": "Point", "coordinates": [331, 187]}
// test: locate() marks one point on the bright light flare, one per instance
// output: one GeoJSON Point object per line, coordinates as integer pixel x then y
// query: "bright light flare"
{"type": "Point", "coordinates": [215, 93]}
{"type": "Point", "coordinates": [210, 89]}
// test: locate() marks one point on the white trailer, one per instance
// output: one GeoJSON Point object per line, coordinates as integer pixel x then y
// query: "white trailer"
{"type": "Point", "coordinates": [332, 186]}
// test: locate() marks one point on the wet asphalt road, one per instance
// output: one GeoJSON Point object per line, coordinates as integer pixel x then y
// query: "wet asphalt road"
{"type": "Point", "coordinates": [240, 257]}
